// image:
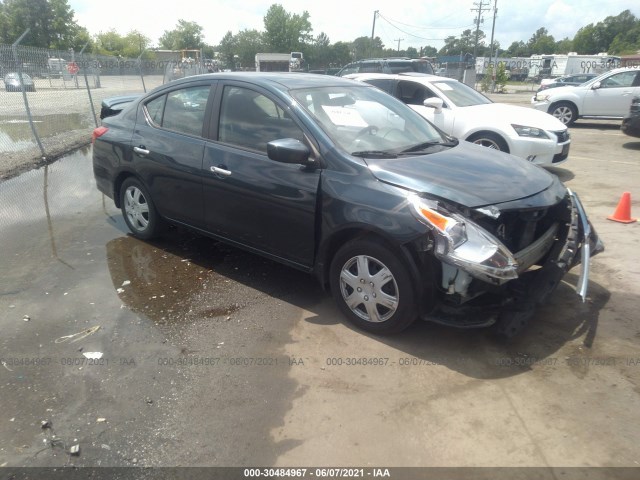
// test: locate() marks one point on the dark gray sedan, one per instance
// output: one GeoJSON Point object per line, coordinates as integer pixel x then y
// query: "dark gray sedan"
{"type": "Point", "coordinates": [337, 178]}
{"type": "Point", "coordinates": [12, 82]}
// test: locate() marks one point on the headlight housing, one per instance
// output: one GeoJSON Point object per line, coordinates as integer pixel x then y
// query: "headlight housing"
{"type": "Point", "coordinates": [463, 243]}
{"type": "Point", "coordinates": [531, 132]}
{"type": "Point", "coordinates": [542, 97]}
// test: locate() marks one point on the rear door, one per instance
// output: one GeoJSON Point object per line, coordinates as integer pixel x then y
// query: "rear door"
{"type": "Point", "coordinates": [248, 198]}
{"type": "Point", "coordinates": [168, 147]}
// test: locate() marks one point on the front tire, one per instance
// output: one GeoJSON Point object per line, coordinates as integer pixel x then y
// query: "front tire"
{"type": "Point", "coordinates": [489, 140]}
{"type": "Point", "coordinates": [138, 210]}
{"type": "Point", "coordinates": [372, 287]}
{"type": "Point", "coordinates": [565, 112]}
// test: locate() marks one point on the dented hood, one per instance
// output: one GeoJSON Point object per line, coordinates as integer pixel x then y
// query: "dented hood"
{"type": "Point", "coordinates": [467, 174]}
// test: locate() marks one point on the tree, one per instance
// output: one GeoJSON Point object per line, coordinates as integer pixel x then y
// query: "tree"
{"type": "Point", "coordinates": [412, 52]}
{"type": "Point", "coordinates": [286, 32]}
{"type": "Point", "coordinates": [340, 54]}
{"type": "Point", "coordinates": [518, 49]}
{"type": "Point", "coordinates": [130, 45]}
{"type": "Point", "coordinates": [364, 47]}
{"type": "Point", "coordinates": [564, 46]}
{"type": "Point", "coordinates": [320, 54]}
{"type": "Point", "coordinates": [50, 22]}
{"type": "Point", "coordinates": [246, 44]}
{"type": "Point", "coordinates": [613, 35]}
{"type": "Point", "coordinates": [227, 49]}
{"type": "Point", "coordinates": [186, 36]}
{"type": "Point", "coordinates": [428, 51]}
{"type": "Point", "coordinates": [541, 42]}
{"type": "Point", "coordinates": [585, 40]}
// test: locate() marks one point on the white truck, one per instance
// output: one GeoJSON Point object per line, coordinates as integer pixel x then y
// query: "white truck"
{"type": "Point", "coordinates": [279, 62]}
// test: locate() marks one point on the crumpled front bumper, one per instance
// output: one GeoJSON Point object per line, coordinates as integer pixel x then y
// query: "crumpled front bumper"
{"type": "Point", "coordinates": [588, 243]}
{"type": "Point", "coordinates": [570, 243]}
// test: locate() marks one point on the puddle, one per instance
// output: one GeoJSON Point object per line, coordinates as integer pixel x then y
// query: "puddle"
{"type": "Point", "coordinates": [16, 135]}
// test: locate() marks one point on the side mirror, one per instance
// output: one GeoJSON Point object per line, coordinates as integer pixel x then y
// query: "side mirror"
{"type": "Point", "coordinates": [596, 86]}
{"type": "Point", "coordinates": [289, 150]}
{"type": "Point", "coordinates": [435, 103]}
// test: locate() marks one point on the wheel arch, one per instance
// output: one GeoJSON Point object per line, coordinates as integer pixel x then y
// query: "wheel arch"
{"type": "Point", "coordinates": [470, 137]}
{"type": "Point", "coordinates": [117, 184]}
{"type": "Point", "coordinates": [408, 253]}
{"type": "Point", "coordinates": [554, 104]}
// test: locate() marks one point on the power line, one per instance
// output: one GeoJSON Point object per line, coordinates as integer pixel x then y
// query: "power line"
{"type": "Point", "coordinates": [427, 27]}
{"type": "Point", "coordinates": [408, 33]}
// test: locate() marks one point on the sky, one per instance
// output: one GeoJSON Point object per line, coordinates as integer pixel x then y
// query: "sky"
{"type": "Point", "coordinates": [416, 23]}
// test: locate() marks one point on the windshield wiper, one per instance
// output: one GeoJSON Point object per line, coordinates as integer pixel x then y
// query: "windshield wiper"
{"type": "Point", "coordinates": [374, 153]}
{"type": "Point", "coordinates": [423, 145]}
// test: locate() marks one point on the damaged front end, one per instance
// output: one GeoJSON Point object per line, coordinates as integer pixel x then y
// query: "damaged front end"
{"type": "Point", "coordinates": [499, 261]}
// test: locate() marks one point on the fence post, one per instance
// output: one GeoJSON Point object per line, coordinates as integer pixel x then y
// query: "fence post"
{"type": "Point", "coordinates": [144, 87]}
{"type": "Point", "coordinates": [86, 82]}
{"type": "Point", "coordinates": [14, 48]}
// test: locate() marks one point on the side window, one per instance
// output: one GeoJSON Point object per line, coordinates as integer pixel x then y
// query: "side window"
{"type": "Point", "coordinates": [184, 110]}
{"type": "Point", "coordinates": [371, 67]}
{"type": "Point", "coordinates": [413, 93]}
{"type": "Point", "coordinates": [383, 84]}
{"type": "Point", "coordinates": [155, 108]}
{"type": "Point", "coordinates": [351, 68]}
{"type": "Point", "coordinates": [251, 120]}
{"type": "Point", "coordinates": [624, 79]}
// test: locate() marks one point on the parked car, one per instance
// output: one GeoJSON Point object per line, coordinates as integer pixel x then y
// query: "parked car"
{"type": "Point", "coordinates": [387, 65]}
{"type": "Point", "coordinates": [631, 123]}
{"type": "Point", "coordinates": [606, 96]}
{"type": "Point", "coordinates": [339, 179]}
{"type": "Point", "coordinates": [566, 80]}
{"type": "Point", "coordinates": [464, 113]}
{"type": "Point", "coordinates": [12, 82]}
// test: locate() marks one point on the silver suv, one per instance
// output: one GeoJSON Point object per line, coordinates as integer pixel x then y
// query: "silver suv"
{"type": "Point", "coordinates": [387, 65]}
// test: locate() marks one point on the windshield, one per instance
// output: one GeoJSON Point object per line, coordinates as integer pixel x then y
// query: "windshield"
{"type": "Point", "coordinates": [460, 95]}
{"type": "Point", "coordinates": [364, 121]}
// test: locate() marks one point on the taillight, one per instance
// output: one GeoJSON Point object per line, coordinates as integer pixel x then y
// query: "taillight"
{"type": "Point", "coordinates": [98, 132]}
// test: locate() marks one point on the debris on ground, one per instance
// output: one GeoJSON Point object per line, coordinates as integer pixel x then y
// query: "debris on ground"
{"type": "Point", "coordinates": [44, 424]}
{"type": "Point", "coordinates": [92, 355]}
{"type": "Point", "coordinates": [78, 336]}
{"type": "Point", "coordinates": [75, 449]}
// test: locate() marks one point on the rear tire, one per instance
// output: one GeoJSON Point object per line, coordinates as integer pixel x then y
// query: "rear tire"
{"type": "Point", "coordinates": [139, 211]}
{"type": "Point", "coordinates": [372, 287]}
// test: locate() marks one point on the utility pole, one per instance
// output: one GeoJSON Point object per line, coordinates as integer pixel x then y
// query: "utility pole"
{"type": "Point", "coordinates": [480, 7]}
{"type": "Point", "coordinates": [373, 30]}
{"type": "Point", "coordinates": [398, 40]}
{"type": "Point", "coordinates": [493, 27]}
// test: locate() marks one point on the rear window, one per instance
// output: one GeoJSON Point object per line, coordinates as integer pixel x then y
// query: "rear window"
{"type": "Point", "coordinates": [400, 66]}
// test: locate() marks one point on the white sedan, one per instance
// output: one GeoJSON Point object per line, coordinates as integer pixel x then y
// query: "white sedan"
{"type": "Point", "coordinates": [464, 113]}
{"type": "Point", "coordinates": [606, 96]}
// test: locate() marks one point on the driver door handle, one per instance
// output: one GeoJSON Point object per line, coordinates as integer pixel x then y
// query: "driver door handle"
{"type": "Point", "coordinates": [221, 171]}
{"type": "Point", "coordinates": [141, 150]}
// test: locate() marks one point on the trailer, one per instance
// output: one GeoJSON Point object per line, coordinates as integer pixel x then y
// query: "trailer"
{"type": "Point", "coordinates": [279, 62]}
{"type": "Point", "coordinates": [553, 66]}
{"type": "Point", "coordinates": [517, 68]}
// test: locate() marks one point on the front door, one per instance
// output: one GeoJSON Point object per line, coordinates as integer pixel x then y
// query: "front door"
{"type": "Point", "coordinates": [248, 198]}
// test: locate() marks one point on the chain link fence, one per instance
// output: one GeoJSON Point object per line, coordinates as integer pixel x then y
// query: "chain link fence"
{"type": "Point", "coordinates": [50, 99]}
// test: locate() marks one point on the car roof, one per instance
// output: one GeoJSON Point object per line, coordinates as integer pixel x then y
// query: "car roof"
{"type": "Point", "coordinates": [402, 76]}
{"type": "Point", "coordinates": [288, 80]}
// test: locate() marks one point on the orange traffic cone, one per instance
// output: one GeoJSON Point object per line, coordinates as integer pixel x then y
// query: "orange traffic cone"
{"type": "Point", "coordinates": [623, 210]}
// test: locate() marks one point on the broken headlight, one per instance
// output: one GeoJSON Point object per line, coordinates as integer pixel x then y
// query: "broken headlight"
{"type": "Point", "coordinates": [461, 242]}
